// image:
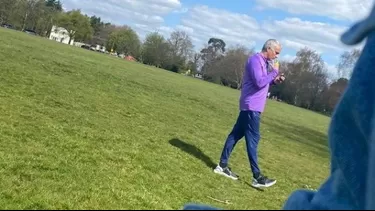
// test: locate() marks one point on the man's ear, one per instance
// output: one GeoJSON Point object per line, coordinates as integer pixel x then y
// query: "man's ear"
{"type": "Point", "coordinates": [359, 30]}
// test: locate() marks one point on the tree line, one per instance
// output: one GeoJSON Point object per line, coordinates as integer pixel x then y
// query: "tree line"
{"type": "Point", "coordinates": [307, 83]}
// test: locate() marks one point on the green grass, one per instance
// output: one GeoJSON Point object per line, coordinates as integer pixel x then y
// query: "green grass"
{"type": "Point", "coordinates": [83, 130]}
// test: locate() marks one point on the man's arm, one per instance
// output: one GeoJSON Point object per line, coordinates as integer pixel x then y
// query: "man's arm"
{"type": "Point", "coordinates": [255, 69]}
{"type": "Point", "coordinates": [278, 80]}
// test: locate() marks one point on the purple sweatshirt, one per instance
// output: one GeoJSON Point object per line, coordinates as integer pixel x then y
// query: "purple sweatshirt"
{"type": "Point", "coordinates": [255, 84]}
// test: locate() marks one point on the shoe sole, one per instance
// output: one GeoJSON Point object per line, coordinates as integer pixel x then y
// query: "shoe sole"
{"type": "Point", "coordinates": [263, 186]}
{"type": "Point", "coordinates": [222, 173]}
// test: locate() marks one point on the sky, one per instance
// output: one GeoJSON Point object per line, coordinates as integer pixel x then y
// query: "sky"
{"type": "Point", "coordinates": [316, 24]}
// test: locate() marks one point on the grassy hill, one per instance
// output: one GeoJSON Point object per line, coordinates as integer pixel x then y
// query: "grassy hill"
{"type": "Point", "coordinates": [83, 130]}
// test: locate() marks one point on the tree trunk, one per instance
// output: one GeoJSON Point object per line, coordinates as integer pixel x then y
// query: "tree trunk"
{"type": "Point", "coordinates": [24, 21]}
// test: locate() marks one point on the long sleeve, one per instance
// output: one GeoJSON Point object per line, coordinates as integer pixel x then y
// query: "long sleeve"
{"type": "Point", "coordinates": [254, 67]}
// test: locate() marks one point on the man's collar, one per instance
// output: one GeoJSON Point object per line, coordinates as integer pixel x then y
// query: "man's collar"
{"type": "Point", "coordinates": [264, 58]}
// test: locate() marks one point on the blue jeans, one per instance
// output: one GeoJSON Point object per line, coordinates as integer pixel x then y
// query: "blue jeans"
{"type": "Point", "coordinates": [198, 207]}
{"type": "Point", "coordinates": [247, 124]}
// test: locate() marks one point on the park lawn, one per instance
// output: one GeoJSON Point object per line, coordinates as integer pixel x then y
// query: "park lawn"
{"type": "Point", "coordinates": [84, 130]}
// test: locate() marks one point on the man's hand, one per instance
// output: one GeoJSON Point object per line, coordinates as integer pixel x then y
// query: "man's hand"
{"type": "Point", "coordinates": [279, 79]}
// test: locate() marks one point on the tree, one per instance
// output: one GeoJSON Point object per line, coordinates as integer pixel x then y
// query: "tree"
{"type": "Point", "coordinates": [37, 15]}
{"type": "Point", "coordinates": [97, 26]}
{"type": "Point", "coordinates": [156, 50]}
{"type": "Point", "coordinates": [29, 7]}
{"type": "Point", "coordinates": [180, 51]}
{"type": "Point", "coordinates": [312, 77]}
{"type": "Point", "coordinates": [334, 93]}
{"type": "Point", "coordinates": [210, 55]}
{"type": "Point", "coordinates": [306, 80]}
{"type": "Point", "coordinates": [54, 5]}
{"type": "Point", "coordinates": [6, 9]}
{"type": "Point", "coordinates": [124, 40]}
{"type": "Point", "coordinates": [77, 25]}
{"type": "Point", "coordinates": [217, 44]}
{"type": "Point", "coordinates": [231, 67]}
{"type": "Point", "coordinates": [181, 45]}
{"type": "Point", "coordinates": [193, 64]}
{"type": "Point", "coordinates": [21, 13]}
{"type": "Point", "coordinates": [102, 35]}
{"type": "Point", "coordinates": [53, 8]}
{"type": "Point", "coordinates": [347, 62]}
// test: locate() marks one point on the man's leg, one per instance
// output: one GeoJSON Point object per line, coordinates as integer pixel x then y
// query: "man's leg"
{"type": "Point", "coordinates": [231, 141]}
{"type": "Point", "coordinates": [252, 136]}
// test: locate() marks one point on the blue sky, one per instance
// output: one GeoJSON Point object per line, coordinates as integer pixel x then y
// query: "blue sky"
{"type": "Point", "coordinates": [316, 24]}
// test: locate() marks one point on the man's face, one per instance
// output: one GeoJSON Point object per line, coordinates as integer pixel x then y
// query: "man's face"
{"type": "Point", "coordinates": [273, 53]}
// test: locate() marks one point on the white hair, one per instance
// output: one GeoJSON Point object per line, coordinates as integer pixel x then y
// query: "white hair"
{"type": "Point", "coordinates": [271, 43]}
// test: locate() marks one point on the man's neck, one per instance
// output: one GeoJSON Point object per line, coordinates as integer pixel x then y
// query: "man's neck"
{"type": "Point", "coordinates": [264, 54]}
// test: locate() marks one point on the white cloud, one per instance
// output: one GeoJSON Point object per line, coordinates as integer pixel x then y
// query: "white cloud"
{"type": "Point", "coordinates": [119, 12]}
{"type": "Point", "coordinates": [185, 28]}
{"type": "Point", "coordinates": [296, 34]}
{"type": "Point", "coordinates": [203, 22]}
{"type": "Point", "coordinates": [287, 57]}
{"type": "Point", "coordinates": [181, 11]}
{"type": "Point", "coordinates": [350, 10]}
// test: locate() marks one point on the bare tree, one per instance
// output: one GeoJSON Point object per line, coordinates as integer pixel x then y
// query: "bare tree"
{"type": "Point", "coordinates": [347, 62]}
{"type": "Point", "coordinates": [306, 80]}
{"type": "Point", "coordinates": [231, 67]}
{"type": "Point", "coordinates": [181, 45]}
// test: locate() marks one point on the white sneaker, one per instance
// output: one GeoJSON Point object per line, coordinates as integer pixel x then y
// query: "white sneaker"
{"type": "Point", "coordinates": [226, 172]}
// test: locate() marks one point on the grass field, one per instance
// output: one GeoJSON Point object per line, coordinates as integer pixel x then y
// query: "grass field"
{"type": "Point", "coordinates": [84, 130]}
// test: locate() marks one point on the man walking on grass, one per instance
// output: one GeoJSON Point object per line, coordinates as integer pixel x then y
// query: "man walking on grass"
{"type": "Point", "coordinates": [259, 74]}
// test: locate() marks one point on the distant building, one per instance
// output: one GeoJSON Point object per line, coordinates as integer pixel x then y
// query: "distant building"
{"type": "Point", "coordinates": [60, 34]}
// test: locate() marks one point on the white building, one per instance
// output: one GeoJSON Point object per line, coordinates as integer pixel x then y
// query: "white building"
{"type": "Point", "coordinates": [60, 34]}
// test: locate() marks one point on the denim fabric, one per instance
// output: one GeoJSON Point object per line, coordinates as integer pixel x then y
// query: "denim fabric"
{"type": "Point", "coordinates": [351, 183]}
{"type": "Point", "coordinates": [248, 123]}
{"type": "Point", "coordinates": [198, 207]}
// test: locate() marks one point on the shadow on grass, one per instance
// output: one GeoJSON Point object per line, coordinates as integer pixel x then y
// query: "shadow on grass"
{"type": "Point", "coordinates": [192, 150]}
{"type": "Point", "coordinates": [258, 189]}
{"type": "Point", "coordinates": [314, 140]}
